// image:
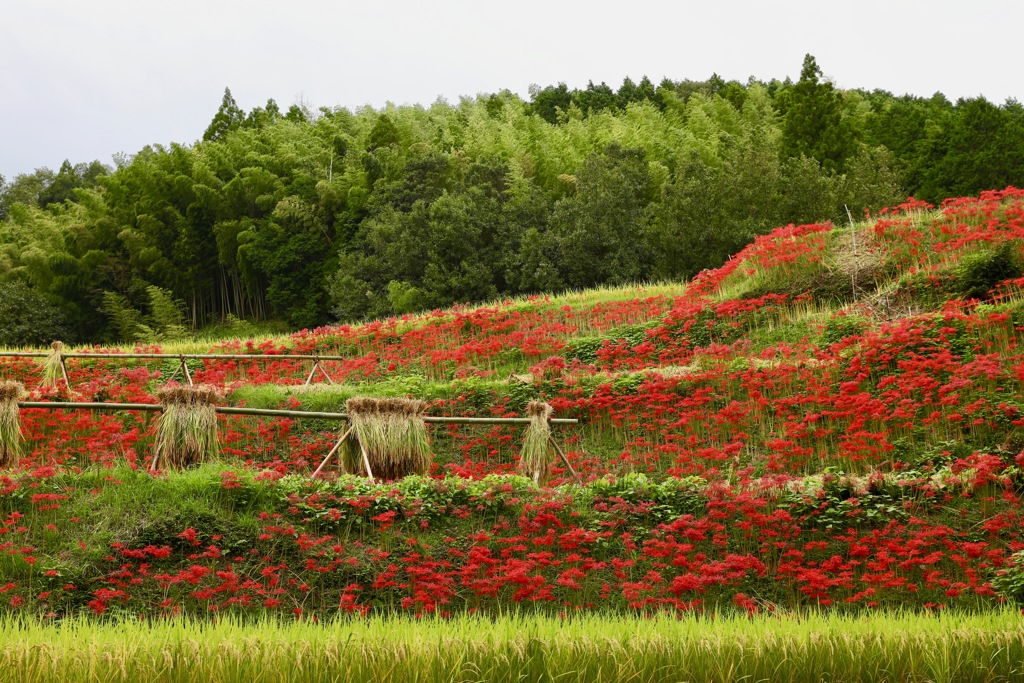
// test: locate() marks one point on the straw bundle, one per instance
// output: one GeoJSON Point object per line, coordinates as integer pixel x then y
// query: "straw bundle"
{"type": "Point", "coordinates": [53, 366]}
{"type": "Point", "coordinates": [392, 432]}
{"type": "Point", "coordinates": [10, 422]}
{"type": "Point", "coordinates": [186, 432]}
{"type": "Point", "coordinates": [536, 458]}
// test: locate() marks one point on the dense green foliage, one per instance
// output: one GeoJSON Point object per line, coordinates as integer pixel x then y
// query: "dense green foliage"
{"type": "Point", "coordinates": [28, 316]}
{"type": "Point", "coordinates": [307, 217]}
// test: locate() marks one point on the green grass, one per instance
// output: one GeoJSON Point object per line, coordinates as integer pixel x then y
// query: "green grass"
{"type": "Point", "coordinates": [891, 647]}
{"type": "Point", "coordinates": [273, 330]}
{"type": "Point", "coordinates": [574, 299]}
{"type": "Point", "coordinates": [332, 397]}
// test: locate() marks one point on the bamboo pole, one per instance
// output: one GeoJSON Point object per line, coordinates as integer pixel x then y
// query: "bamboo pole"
{"type": "Point", "coordinates": [322, 371]}
{"type": "Point", "coordinates": [65, 405]}
{"type": "Point", "coordinates": [497, 420]}
{"type": "Point", "coordinates": [183, 366]}
{"type": "Point", "coordinates": [309, 378]}
{"type": "Point", "coordinates": [232, 410]}
{"type": "Point", "coordinates": [313, 370]}
{"type": "Point", "coordinates": [192, 356]}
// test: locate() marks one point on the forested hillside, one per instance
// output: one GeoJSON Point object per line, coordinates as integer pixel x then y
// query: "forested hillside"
{"type": "Point", "coordinates": [303, 218]}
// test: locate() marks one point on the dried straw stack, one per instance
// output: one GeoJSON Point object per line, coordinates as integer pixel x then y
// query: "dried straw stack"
{"type": "Point", "coordinates": [10, 422]}
{"type": "Point", "coordinates": [53, 365]}
{"type": "Point", "coordinates": [393, 435]}
{"type": "Point", "coordinates": [536, 458]}
{"type": "Point", "coordinates": [186, 432]}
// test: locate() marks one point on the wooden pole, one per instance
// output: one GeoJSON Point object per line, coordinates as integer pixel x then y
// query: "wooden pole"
{"type": "Point", "coordinates": [323, 372]}
{"type": "Point", "coordinates": [564, 459]}
{"type": "Point", "coordinates": [184, 367]}
{"type": "Point", "coordinates": [366, 462]}
{"type": "Point", "coordinates": [309, 378]}
{"type": "Point", "coordinates": [334, 450]}
{"type": "Point", "coordinates": [313, 370]}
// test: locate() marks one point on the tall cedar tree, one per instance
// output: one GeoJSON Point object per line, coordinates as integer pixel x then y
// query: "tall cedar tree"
{"type": "Point", "coordinates": [228, 118]}
{"type": "Point", "coordinates": [813, 124]}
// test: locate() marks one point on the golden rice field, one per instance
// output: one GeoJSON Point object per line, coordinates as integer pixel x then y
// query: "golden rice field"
{"type": "Point", "coordinates": [817, 647]}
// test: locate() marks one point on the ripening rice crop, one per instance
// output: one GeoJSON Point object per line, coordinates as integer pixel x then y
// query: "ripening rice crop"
{"type": "Point", "coordinates": [891, 647]}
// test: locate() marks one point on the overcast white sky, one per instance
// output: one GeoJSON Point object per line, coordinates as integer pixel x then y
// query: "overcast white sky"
{"type": "Point", "coordinates": [84, 80]}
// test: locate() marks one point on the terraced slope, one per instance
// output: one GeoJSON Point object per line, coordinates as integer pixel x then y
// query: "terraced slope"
{"type": "Point", "coordinates": [834, 417]}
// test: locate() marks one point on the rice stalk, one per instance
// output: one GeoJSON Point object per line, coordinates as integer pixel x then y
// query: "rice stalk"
{"type": "Point", "coordinates": [10, 422]}
{"type": "Point", "coordinates": [349, 457]}
{"type": "Point", "coordinates": [53, 368]}
{"type": "Point", "coordinates": [536, 457]}
{"type": "Point", "coordinates": [186, 431]}
{"type": "Point", "coordinates": [393, 433]}
{"type": "Point", "coordinates": [589, 647]}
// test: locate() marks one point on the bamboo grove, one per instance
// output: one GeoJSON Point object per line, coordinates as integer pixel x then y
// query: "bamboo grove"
{"type": "Point", "coordinates": [301, 218]}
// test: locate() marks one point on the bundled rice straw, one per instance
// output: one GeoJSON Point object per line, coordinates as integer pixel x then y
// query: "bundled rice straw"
{"type": "Point", "coordinates": [53, 365]}
{"type": "Point", "coordinates": [10, 422]}
{"type": "Point", "coordinates": [350, 457]}
{"type": "Point", "coordinates": [535, 459]}
{"type": "Point", "coordinates": [392, 432]}
{"type": "Point", "coordinates": [186, 432]}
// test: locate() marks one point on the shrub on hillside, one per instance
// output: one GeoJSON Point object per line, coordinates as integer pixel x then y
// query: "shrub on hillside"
{"type": "Point", "coordinates": [27, 318]}
{"type": "Point", "coordinates": [979, 273]}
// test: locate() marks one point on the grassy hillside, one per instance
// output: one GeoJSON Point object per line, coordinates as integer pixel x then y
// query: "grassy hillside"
{"type": "Point", "coordinates": [833, 418]}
